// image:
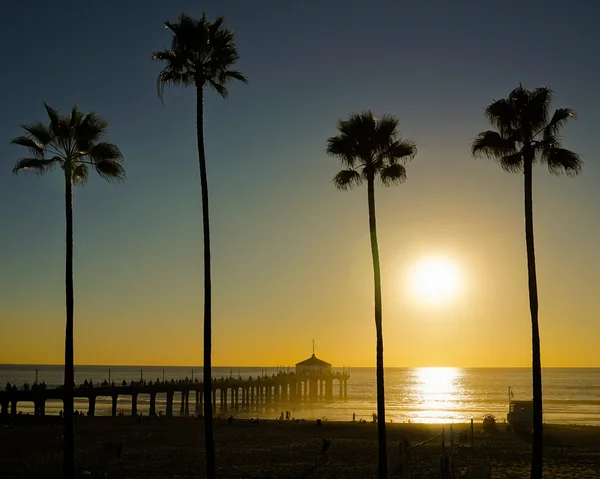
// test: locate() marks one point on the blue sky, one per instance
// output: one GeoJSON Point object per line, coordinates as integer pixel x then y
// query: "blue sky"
{"type": "Point", "coordinates": [291, 255]}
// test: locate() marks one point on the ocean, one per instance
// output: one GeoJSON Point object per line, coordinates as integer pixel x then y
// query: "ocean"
{"type": "Point", "coordinates": [429, 395]}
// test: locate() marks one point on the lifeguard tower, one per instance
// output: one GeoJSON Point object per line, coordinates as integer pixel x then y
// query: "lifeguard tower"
{"type": "Point", "coordinates": [520, 413]}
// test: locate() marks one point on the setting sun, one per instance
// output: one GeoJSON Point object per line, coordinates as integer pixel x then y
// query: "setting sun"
{"type": "Point", "coordinates": [435, 280]}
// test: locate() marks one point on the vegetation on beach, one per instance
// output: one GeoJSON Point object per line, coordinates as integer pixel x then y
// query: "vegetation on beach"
{"type": "Point", "coordinates": [371, 149]}
{"type": "Point", "coordinates": [525, 135]}
{"type": "Point", "coordinates": [76, 144]}
{"type": "Point", "coordinates": [202, 55]}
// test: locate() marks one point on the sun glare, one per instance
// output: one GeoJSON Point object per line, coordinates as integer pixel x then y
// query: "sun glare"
{"type": "Point", "coordinates": [437, 390]}
{"type": "Point", "coordinates": [435, 280]}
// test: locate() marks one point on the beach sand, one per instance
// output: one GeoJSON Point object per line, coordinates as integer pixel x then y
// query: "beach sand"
{"type": "Point", "coordinates": [174, 447]}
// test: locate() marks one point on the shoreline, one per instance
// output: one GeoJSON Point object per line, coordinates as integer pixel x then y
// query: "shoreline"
{"type": "Point", "coordinates": [223, 417]}
{"type": "Point", "coordinates": [307, 412]}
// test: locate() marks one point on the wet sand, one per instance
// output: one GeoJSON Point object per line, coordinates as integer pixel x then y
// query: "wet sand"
{"type": "Point", "coordinates": [174, 447]}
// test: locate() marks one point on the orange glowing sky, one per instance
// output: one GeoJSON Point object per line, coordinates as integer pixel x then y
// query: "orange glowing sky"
{"type": "Point", "coordinates": [291, 255]}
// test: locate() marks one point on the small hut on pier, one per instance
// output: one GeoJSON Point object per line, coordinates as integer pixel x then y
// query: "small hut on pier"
{"type": "Point", "coordinates": [312, 366]}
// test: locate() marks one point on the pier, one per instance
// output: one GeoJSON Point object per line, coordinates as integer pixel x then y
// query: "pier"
{"type": "Point", "coordinates": [228, 394]}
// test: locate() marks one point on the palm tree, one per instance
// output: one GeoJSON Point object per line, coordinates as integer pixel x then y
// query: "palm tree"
{"type": "Point", "coordinates": [526, 134]}
{"type": "Point", "coordinates": [372, 149]}
{"type": "Point", "coordinates": [75, 143]}
{"type": "Point", "coordinates": [202, 54]}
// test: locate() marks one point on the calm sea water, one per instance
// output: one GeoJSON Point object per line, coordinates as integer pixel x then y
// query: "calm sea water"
{"type": "Point", "coordinates": [433, 395]}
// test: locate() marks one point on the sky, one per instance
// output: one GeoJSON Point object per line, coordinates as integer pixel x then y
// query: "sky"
{"type": "Point", "coordinates": [291, 254]}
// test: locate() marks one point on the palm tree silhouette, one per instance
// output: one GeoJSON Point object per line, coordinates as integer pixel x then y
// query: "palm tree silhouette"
{"type": "Point", "coordinates": [372, 149]}
{"type": "Point", "coordinates": [202, 54]}
{"type": "Point", "coordinates": [526, 134]}
{"type": "Point", "coordinates": [75, 143]}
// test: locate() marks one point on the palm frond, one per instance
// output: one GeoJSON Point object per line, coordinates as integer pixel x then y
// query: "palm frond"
{"type": "Point", "coordinates": [502, 115]}
{"type": "Point", "coordinates": [36, 149]}
{"type": "Point", "coordinates": [400, 150]}
{"type": "Point", "coordinates": [558, 120]}
{"type": "Point", "coordinates": [519, 98]}
{"type": "Point", "coordinates": [224, 49]}
{"type": "Point", "coordinates": [562, 161]}
{"type": "Point", "coordinates": [76, 117]}
{"type": "Point", "coordinates": [39, 133]}
{"type": "Point", "coordinates": [89, 129]}
{"type": "Point", "coordinates": [392, 174]}
{"type": "Point", "coordinates": [385, 128]}
{"type": "Point", "coordinates": [534, 113]}
{"type": "Point", "coordinates": [70, 138]}
{"type": "Point", "coordinates": [176, 72]}
{"type": "Point", "coordinates": [79, 175]}
{"type": "Point", "coordinates": [490, 144]}
{"type": "Point", "coordinates": [360, 126]}
{"type": "Point", "coordinates": [548, 141]}
{"type": "Point", "coordinates": [34, 165]}
{"type": "Point", "coordinates": [163, 55]}
{"type": "Point", "coordinates": [222, 56]}
{"type": "Point", "coordinates": [219, 88]}
{"type": "Point", "coordinates": [512, 163]}
{"type": "Point", "coordinates": [229, 75]}
{"type": "Point", "coordinates": [59, 125]}
{"type": "Point", "coordinates": [371, 145]}
{"type": "Point", "coordinates": [223, 78]}
{"type": "Point", "coordinates": [343, 147]}
{"type": "Point", "coordinates": [214, 27]}
{"type": "Point", "coordinates": [53, 115]}
{"type": "Point", "coordinates": [520, 118]}
{"type": "Point", "coordinates": [105, 151]}
{"type": "Point", "coordinates": [346, 179]}
{"type": "Point", "coordinates": [202, 52]}
{"type": "Point", "coordinates": [189, 35]}
{"type": "Point", "coordinates": [110, 170]}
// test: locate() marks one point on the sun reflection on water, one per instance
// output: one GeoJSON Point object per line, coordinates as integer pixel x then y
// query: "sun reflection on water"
{"type": "Point", "coordinates": [436, 390]}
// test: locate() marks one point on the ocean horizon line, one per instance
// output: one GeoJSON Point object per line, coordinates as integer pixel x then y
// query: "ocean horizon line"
{"type": "Point", "coordinates": [275, 366]}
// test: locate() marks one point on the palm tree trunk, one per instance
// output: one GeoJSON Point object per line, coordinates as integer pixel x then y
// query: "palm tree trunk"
{"type": "Point", "coordinates": [381, 436]}
{"type": "Point", "coordinates": [538, 435]}
{"type": "Point", "coordinates": [69, 446]}
{"type": "Point", "coordinates": [209, 439]}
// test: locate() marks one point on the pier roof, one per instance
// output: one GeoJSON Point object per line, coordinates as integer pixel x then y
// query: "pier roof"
{"type": "Point", "coordinates": [313, 361]}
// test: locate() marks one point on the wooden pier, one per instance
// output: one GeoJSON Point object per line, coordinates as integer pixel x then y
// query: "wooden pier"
{"type": "Point", "coordinates": [227, 393]}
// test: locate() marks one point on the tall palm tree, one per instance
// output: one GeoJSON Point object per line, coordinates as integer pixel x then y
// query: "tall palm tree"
{"type": "Point", "coordinates": [76, 143]}
{"type": "Point", "coordinates": [526, 134]}
{"type": "Point", "coordinates": [372, 149]}
{"type": "Point", "coordinates": [202, 54]}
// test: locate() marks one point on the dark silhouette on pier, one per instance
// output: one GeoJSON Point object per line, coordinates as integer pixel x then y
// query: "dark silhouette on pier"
{"type": "Point", "coordinates": [227, 393]}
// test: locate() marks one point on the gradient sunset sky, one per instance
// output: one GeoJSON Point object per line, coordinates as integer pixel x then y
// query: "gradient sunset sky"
{"type": "Point", "coordinates": [291, 255]}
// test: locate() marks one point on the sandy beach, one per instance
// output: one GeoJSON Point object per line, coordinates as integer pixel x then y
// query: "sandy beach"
{"type": "Point", "coordinates": [169, 448]}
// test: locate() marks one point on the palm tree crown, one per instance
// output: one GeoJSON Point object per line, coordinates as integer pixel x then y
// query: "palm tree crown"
{"type": "Point", "coordinates": [370, 147]}
{"type": "Point", "coordinates": [525, 130]}
{"type": "Point", "coordinates": [202, 52]}
{"type": "Point", "coordinates": [75, 142]}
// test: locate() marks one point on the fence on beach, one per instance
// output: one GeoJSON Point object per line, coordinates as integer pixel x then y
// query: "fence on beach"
{"type": "Point", "coordinates": [444, 445]}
